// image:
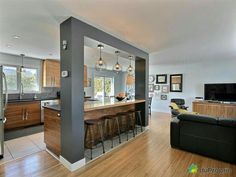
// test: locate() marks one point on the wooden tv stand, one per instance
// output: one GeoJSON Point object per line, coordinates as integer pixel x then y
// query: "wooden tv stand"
{"type": "Point", "coordinates": [226, 110]}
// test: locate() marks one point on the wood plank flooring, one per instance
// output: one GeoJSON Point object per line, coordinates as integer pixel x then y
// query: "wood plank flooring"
{"type": "Point", "coordinates": [149, 155]}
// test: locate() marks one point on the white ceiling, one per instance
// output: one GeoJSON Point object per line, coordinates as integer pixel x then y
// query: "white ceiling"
{"type": "Point", "coordinates": [203, 28]}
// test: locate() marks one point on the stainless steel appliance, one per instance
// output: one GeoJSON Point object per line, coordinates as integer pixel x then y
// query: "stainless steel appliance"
{"type": "Point", "coordinates": [3, 106]}
{"type": "Point", "coordinates": [45, 103]}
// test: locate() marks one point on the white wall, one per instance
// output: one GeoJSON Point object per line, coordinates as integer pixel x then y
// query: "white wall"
{"type": "Point", "coordinates": [195, 75]}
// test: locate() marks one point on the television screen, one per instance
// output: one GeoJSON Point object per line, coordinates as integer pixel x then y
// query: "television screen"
{"type": "Point", "coordinates": [220, 92]}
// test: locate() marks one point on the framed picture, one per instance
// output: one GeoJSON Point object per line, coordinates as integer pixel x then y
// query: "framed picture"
{"type": "Point", "coordinates": [151, 87]}
{"type": "Point", "coordinates": [165, 89]}
{"type": "Point", "coordinates": [156, 87]}
{"type": "Point", "coordinates": [163, 97]}
{"type": "Point", "coordinates": [161, 79]}
{"type": "Point", "coordinates": [151, 79]}
{"type": "Point", "coordinates": [176, 82]}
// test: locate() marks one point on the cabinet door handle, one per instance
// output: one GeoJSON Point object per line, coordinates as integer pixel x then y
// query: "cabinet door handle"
{"type": "Point", "coordinates": [59, 115]}
{"type": "Point", "coordinates": [26, 114]}
{"type": "Point", "coordinates": [23, 114]}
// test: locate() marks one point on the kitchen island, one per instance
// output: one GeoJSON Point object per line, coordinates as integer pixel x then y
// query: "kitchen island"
{"type": "Point", "coordinates": [92, 110]}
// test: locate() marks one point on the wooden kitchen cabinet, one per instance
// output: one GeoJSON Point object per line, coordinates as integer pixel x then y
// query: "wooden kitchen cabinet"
{"type": "Point", "coordinates": [52, 130]}
{"type": "Point", "coordinates": [22, 114]}
{"type": "Point", "coordinates": [51, 73]}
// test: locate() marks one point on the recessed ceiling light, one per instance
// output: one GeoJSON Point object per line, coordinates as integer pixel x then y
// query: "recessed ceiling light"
{"type": "Point", "coordinates": [16, 37]}
{"type": "Point", "coordinates": [8, 45]}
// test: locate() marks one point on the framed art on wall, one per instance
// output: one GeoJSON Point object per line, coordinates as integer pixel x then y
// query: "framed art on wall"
{"type": "Point", "coordinates": [163, 97]}
{"type": "Point", "coordinates": [176, 82]}
{"type": "Point", "coordinates": [151, 87]}
{"type": "Point", "coordinates": [161, 79]}
{"type": "Point", "coordinates": [165, 89]}
{"type": "Point", "coordinates": [156, 87]}
{"type": "Point", "coordinates": [151, 79]}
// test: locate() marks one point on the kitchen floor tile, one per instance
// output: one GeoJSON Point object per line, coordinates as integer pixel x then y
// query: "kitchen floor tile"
{"type": "Point", "coordinates": [7, 156]}
{"type": "Point", "coordinates": [38, 139]}
{"type": "Point", "coordinates": [21, 147]}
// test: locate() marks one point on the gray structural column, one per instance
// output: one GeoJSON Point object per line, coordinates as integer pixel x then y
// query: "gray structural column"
{"type": "Point", "coordinates": [72, 90]}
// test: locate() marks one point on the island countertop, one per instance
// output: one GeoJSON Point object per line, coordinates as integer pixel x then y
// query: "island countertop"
{"type": "Point", "coordinates": [108, 103]}
{"type": "Point", "coordinates": [101, 104]}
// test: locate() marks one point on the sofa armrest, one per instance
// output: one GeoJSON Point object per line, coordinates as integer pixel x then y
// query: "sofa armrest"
{"type": "Point", "coordinates": [174, 133]}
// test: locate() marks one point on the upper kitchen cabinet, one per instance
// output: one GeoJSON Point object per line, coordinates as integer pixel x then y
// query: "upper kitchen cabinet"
{"type": "Point", "coordinates": [51, 73]}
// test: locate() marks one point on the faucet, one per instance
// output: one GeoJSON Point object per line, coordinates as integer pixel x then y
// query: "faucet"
{"type": "Point", "coordinates": [21, 91]}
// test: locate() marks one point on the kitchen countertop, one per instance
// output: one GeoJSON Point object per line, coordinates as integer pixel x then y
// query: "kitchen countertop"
{"type": "Point", "coordinates": [96, 105]}
{"type": "Point", "coordinates": [29, 100]}
{"type": "Point", "coordinates": [108, 103]}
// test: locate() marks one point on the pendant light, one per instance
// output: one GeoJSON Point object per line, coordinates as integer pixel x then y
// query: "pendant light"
{"type": "Point", "coordinates": [130, 68]}
{"type": "Point", "coordinates": [22, 63]}
{"type": "Point", "coordinates": [117, 67]}
{"type": "Point", "coordinates": [100, 63]}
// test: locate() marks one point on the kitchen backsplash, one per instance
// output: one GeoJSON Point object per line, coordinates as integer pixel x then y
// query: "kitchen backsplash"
{"type": "Point", "coordinates": [45, 93]}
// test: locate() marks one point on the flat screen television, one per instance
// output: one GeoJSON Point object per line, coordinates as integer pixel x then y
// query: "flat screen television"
{"type": "Point", "coordinates": [220, 92]}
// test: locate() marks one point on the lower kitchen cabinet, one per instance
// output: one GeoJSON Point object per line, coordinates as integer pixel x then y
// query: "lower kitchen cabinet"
{"type": "Point", "coordinates": [22, 114]}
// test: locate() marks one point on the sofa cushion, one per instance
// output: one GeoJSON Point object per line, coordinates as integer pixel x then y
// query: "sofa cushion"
{"type": "Point", "coordinates": [198, 118]}
{"type": "Point", "coordinates": [227, 122]}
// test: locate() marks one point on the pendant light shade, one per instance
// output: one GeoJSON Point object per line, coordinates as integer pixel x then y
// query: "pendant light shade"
{"type": "Point", "coordinates": [117, 67]}
{"type": "Point", "coordinates": [100, 63]}
{"type": "Point", "coordinates": [22, 63]}
{"type": "Point", "coordinates": [130, 68]}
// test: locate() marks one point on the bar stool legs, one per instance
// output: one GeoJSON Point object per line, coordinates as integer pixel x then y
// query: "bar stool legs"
{"type": "Point", "coordinates": [112, 120]}
{"type": "Point", "coordinates": [89, 125]}
{"type": "Point", "coordinates": [139, 119]}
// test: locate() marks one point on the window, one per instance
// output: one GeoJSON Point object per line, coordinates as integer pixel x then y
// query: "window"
{"type": "Point", "coordinates": [103, 87]}
{"type": "Point", "coordinates": [30, 80]}
{"type": "Point", "coordinates": [11, 77]}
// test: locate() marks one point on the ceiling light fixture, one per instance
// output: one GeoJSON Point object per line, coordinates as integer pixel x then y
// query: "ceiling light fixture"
{"type": "Point", "coordinates": [130, 68]}
{"type": "Point", "coordinates": [16, 37]}
{"type": "Point", "coordinates": [117, 67]}
{"type": "Point", "coordinates": [8, 45]}
{"type": "Point", "coordinates": [100, 63]}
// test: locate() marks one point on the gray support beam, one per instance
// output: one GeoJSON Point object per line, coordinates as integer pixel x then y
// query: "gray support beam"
{"type": "Point", "coordinates": [72, 91]}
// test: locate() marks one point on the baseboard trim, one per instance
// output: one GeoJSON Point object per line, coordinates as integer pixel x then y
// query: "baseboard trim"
{"type": "Point", "coordinates": [72, 166]}
{"type": "Point", "coordinates": [52, 154]}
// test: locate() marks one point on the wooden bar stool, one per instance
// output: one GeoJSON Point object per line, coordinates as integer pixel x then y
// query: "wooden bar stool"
{"type": "Point", "coordinates": [128, 119]}
{"type": "Point", "coordinates": [112, 121]}
{"type": "Point", "coordinates": [138, 120]}
{"type": "Point", "coordinates": [89, 128]}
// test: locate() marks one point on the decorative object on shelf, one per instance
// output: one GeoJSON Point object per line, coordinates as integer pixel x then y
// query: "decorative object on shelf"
{"type": "Point", "coordinates": [163, 97]}
{"type": "Point", "coordinates": [176, 82]}
{"type": "Point", "coordinates": [117, 67]}
{"type": "Point", "coordinates": [130, 68]}
{"type": "Point", "coordinates": [22, 63]}
{"type": "Point", "coordinates": [151, 79]}
{"type": "Point", "coordinates": [151, 87]}
{"type": "Point", "coordinates": [165, 89]}
{"type": "Point", "coordinates": [100, 63]}
{"type": "Point", "coordinates": [156, 87]}
{"type": "Point", "coordinates": [161, 79]}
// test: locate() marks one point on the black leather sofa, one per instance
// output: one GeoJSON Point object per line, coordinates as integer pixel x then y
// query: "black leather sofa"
{"type": "Point", "coordinates": [210, 136]}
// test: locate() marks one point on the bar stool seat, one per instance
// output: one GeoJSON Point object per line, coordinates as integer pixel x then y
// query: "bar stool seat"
{"type": "Point", "coordinates": [112, 120]}
{"type": "Point", "coordinates": [89, 127]}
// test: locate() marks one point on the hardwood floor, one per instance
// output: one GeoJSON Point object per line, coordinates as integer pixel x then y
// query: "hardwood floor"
{"type": "Point", "coordinates": [149, 155]}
